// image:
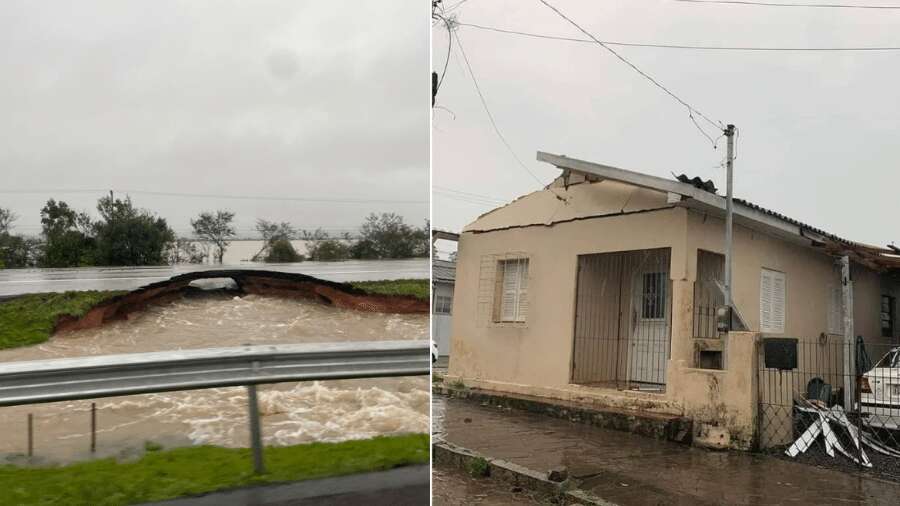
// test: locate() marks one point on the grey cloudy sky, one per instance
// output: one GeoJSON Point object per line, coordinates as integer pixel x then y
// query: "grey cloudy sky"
{"type": "Point", "coordinates": [305, 99]}
{"type": "Point", "coordinates": [818, 131]}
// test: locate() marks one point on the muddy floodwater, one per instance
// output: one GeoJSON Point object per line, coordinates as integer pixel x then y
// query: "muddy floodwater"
{"type": "Point", "coordinates": [292, 413]}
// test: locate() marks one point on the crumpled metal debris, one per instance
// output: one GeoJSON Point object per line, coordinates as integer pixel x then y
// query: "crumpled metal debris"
{"type": "Point", "coordinates": [822, 426]}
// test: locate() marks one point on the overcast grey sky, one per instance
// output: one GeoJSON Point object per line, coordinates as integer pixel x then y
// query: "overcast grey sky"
{"type": "Point", "coordinates": [818, 131]}
{"type": "Point", "coordinates": [307, 99]}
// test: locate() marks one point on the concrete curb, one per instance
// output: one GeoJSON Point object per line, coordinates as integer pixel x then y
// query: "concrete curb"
{"type": "Point", "coordinates": [653, 425]}
{"type": "Point", "coordinates": [450, 455]}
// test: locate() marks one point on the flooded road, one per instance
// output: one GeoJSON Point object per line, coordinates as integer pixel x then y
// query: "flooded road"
{"type": "Point", "coordinates": [19, 281]}
{"type": "Point", "coordinates": [451, 487]}
{"type": "Point", "coordinates": [626, 468]}
{"type": "Point", "coordinates": [291, 413]}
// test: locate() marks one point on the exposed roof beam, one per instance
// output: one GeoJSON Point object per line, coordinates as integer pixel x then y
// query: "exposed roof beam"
{"type": "Point", "coordinates": [634, 178]}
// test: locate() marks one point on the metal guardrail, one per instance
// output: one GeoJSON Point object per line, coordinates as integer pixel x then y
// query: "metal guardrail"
{"type": "Point", "coordinates": [140, 373]}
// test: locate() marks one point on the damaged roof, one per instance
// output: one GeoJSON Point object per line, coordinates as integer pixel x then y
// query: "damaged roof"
{"type": "Point", "coordinates": [687, 187]}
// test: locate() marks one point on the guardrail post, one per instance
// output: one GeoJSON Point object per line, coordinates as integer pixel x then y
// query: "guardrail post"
{"type": "Point", "coordinates": [93, 427]}
{"type": "Point", "coordinates": [255, 432]}
{"type": "Point", "coordinates": [30, 434]}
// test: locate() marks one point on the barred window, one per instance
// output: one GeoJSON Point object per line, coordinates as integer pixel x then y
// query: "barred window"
{"type": "Point", "coordinates": [442, 304]}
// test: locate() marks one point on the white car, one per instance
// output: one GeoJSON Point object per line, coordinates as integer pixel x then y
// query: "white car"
{"type": "Point", "coordinates": [880, 392]}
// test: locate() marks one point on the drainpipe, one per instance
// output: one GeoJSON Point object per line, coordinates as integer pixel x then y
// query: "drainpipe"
{"type": "Point", "coordinates": [849, 341]}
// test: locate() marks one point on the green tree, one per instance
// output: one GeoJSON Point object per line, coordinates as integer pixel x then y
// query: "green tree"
{"type": "Point", "coordinates": [320, 246]}
{"type": "Point", "coordinates": [387, 236]}
{"type": "Point", "coordinates": [185, 251]}
{"type": "Point", "coordinates": [17, 251]}
{"type": "Point", "coordinates": [276, 233]}
{"type": "Point", "coordinates": [66, 243]}
{"type": "Point", "coordinates": [7, 217]}
{"type": "Point", "coordinates": [126, 235]}
{"type": "Point", "coordinates": [282, 251]}
{"type": "Point", "coordinates": [215, 228]}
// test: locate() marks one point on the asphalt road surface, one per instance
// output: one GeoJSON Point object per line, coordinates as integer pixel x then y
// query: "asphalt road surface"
{"type": "Point", "coordinates": [19, 281]}
{"type": "Point", "coordinates": [405, 486]}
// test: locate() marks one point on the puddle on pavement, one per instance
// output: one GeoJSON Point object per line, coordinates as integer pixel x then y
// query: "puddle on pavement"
{"type": "Point", "coordinates": [625, 468]}
{"type": "Point", "coordinates": [292, 412]}
{"type": "Point", "coordinates": [450, 487]}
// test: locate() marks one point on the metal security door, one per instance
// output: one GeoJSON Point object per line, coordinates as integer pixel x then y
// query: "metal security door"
{"type": "Point", "coordinates": [649, 341]}
{"type": "Point", "coordinates": [622, 315]}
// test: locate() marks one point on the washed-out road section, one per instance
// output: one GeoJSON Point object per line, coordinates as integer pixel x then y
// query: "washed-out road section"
{"type": "Point", "coordinates": [21, 281]}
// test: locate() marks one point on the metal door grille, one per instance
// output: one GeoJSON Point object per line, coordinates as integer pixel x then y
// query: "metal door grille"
{"type": "Point", "coordinates": [622, 319]}
{"type": "Point", "coordinates": [707, 294]}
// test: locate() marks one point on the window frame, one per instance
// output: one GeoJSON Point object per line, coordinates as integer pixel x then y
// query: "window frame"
{"type": "Point", "coordinates": [520, 300]}
{"type": "Point", "coordinates": [443, 304]}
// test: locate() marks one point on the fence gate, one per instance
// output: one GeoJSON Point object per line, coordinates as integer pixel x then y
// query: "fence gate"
{"type": "Point", "coordinates": [623, 319]}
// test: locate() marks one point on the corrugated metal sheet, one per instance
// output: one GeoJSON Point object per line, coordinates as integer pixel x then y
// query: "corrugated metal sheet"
{"type": "Point", "coordinates": [443, 271]}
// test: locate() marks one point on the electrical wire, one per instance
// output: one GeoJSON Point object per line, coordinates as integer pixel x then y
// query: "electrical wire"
{"type": "Point", "coordinates": [470, 200]}
{"type": "Point", "coordinates": [677, 46]}
{"type": "Point", "coordinates": [691, 109]}
{"type": "Point", "coordinates": [217, 196]}
{"type": "Point", "coordinates": [488, 111]}
{"type": "Point", "coordinates": [447, 24]}
{"type": "Point", "coordinates": [786, 4]}
{"type": "Point", "coordinates": [476, 195]}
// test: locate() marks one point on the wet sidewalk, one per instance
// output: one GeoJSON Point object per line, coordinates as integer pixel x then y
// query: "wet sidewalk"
{"type": "Point", "coordinates": [627, 469]}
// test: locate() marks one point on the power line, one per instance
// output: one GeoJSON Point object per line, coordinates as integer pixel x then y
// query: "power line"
{"type": "Point", "coordinates": [488, 111]}
{"type": "Point", "coordinates": [691, 109]}
{"type": "Point", "coordinates": [477, 195]}
{"type": "Point", "coordinates": [785, 4]}
{"type": "Point", "coordinates": [219, 196]}
{"type": "Point", "coordinates": [468, 200]}
{"type": "Point", "coordinates": [677, 46]}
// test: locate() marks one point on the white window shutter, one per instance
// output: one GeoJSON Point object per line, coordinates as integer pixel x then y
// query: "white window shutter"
{"type": "Point", "coordinates": [522, 312]}
{"type": "Point", "coordinates": [772, 292]}
{"type": "Point", "coordinates": [835, 310]}
{"type": "Point", "coordinates": [778, 303]}
{"type": "Point", "coordinates": [508, 296]}
{"type": "Point", "coordinates": [765, 301]}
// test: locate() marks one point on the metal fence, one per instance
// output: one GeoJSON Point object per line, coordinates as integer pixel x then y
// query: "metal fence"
{"type": "Point", "coordinates": [825, 400]}
{"type": "Point", "coordinates": [623, 319]}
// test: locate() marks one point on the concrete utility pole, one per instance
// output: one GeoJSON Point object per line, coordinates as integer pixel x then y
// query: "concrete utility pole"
{"type": "Point", "coordinates": [849, 341]}
{"type": "Point", "coordinates": [729, 212]}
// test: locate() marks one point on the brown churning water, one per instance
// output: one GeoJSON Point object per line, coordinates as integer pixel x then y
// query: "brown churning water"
{"type": "Point", "coordinates": [292, 413]}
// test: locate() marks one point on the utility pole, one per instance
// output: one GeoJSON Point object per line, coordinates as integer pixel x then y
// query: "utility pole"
{"type": "Point", "coordinates": [729, 219]}
{"type": "Point", "coordinates": [849, 364]}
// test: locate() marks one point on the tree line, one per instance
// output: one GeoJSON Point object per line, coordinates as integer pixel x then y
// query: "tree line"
{"type": "Point", "coordinates": [125, 235]}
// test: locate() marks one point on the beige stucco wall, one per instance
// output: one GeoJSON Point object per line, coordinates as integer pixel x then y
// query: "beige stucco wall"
{"type": "Point", "coordinates": [723, 404]}
{"type": "Point", "coordinates": [579, 201]}
{"type": "Point", "coordinates": [539, 352]}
